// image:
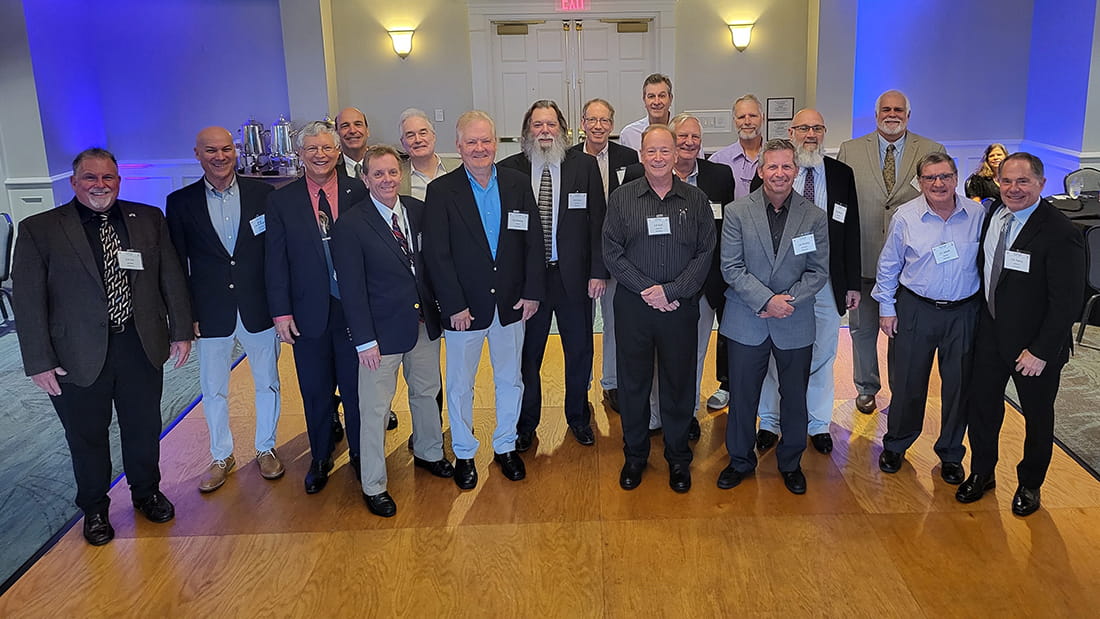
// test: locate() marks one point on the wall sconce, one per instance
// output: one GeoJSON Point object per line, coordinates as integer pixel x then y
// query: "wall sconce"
{"type": "Point", "coordinates": [741, 33]}
{"type": "Point", "coordinates": [402, 42]}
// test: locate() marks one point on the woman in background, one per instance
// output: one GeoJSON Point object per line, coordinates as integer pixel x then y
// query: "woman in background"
{"type": "Point", "coordinates": [982, 183]}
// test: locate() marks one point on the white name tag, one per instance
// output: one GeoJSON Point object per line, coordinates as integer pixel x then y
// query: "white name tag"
{"type": "Point", "coordinates": [578, 200]}
{"type": "Point", "coordinates": [945, 252]}
{"type": "Point", "coordinates": [840, 211]}
{"type": "Point", "coordinates": [517, 221]}
{"type": "Point", "coordinates": [1018, 261]}
{"type": "Point", "coordinates": [259, 225]}
{"type": "Point", "coordinates": [803, 244]}
{"type": "Point", "coordinates": [621, 172]}
{"type": "Point", "coordinates": [130, 260]}
{"type": "Point", "coordinates": [716, 208]}
{"type": "Point", "coordinates": [658, 225]}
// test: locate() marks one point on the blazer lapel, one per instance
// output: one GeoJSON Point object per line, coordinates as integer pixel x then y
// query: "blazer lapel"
{"type": "Point", "coordinates": [466, 206]}
{"type": "Point", "coordinates": [74, 231]}
{"type": "Point", "coordinates": [795, 215]}
{"type": "Point", "coordinates": [871, 147]}
{"type": "Point", "coordinates": [763, 230]}
{"type": "Point", "coordinates": [908, 162]}
{"type": "Point", "coordinates": [201, 216]}
{"type": "Point", "coordinates": [385, 232]}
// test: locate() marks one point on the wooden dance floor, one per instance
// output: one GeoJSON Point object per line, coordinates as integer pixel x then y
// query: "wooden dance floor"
{"type": "Point", "coordinates": [568, 542]}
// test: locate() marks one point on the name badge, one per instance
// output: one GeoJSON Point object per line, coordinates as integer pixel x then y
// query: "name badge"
{"type": "Point", "coordinates": [803, 244]}
{"type": "Point", "coordinates": [840, 211]}
{"type": "Point", "coordinates": [578, 200]}
{"type": "Point", "coordinates": [658, 225]}
{"type": "Point", "coordinates": [517, 221]}
{"type": "Point", "coordinates": [621, 172]}
{"type": "Point", "coordinates": [945, 252]}
{"type": "Point", "coordinates": [1018, 261]}
{"type": "Point", "coordinates": [259, 225]}
{"type": "Point", "coordinates": [130, 260]}
{"type": "Point", "coordinates": [716, 208]}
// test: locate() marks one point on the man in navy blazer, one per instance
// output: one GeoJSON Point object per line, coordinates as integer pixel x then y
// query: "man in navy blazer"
{"type": "Point", "coordinates": [569, 195]}
{"type": "Point", "coordinates": [304, 297]}
{"type": "Point", "coordinates": [484, 250]}
{"type": "Point", "coordinates": [217, 225]}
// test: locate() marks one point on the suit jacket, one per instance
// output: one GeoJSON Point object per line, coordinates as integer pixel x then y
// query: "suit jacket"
{"type": "Point", "coordinates": [755, 273]}
{"type": "Point", "coordinates": [580, 231]}
{"type": "Point", "coordinates": [1036, 310]}
{"type": "Point", "coordinates": [60, 302]}
{"type": "Point", "coordinates": [382, 297]}
{"type": "Point", "coordinates": [716, 180]}
{"type": "Point", "coordinates": [844, 250]}
{"type": "Point", "coordinates": [619, 157]}
{"type": "Point", "coordinates": [405, 189]}
{"type": "Point", "coordinates": [460, 263]}
{"type": "Point", "coordinates": [878, 206]}
{"type": "Point", "coordinates": [296, 270]}
{"type": "Point", "coordinates": [221, 284]}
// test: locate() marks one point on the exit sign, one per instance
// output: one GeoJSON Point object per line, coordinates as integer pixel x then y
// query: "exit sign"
{"type": "Point", "coordinates": [572, 5]}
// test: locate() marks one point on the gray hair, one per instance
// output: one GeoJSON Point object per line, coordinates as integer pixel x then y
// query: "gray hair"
{"type": "Point", "coordinates": [878, 102]}
{"type": "Point", "coordinates": [680, 119]}
{"type": "Point", "coordinates": [603, 102]}
{"type": "Point", "coordinates": [772, 146]}
{"type": "Point", "coordinates": [1033, 161]}
{"type": "Point", "coordinates": [314, 128]}
{"type": "Point", "coordinates": [94, 152]}
{"type": "Point", "coordinates": [413, 112]}
{"type": "Point", "coordinates": [472, 116]}
{"type": "Point", "coordinates": [749, 97]}
{"type": "Point", "coordinates": [934, 158]}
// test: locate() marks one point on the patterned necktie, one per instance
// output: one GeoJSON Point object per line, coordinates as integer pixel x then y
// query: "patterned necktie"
{"type": "Point", "coordinates": [998, 260]}
{"type": "Point", "coordinates": [358, 170]}
{"type": "Point", "coordinates": [889, 169]}
{"type": "Point", "coordinates": [546, 210]}
{"type": "Point", "coordinates": [808, 185]}
{"type": "Point", "coordinates": [119, 304]}
{"type": "Point", "coordinates": [324, 222]}
{"type": "Point", "coordinates": [400, 236]}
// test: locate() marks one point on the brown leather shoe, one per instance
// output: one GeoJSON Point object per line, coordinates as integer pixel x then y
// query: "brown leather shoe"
{"type": "Point", "coordinates": [217, 474]}
{"type": "Point", "coordinates": [270, 467]}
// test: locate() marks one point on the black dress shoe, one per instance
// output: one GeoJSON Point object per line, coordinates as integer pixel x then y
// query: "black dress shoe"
{"type": "Point", "coordinates": [583, 434]}
{"type": "Point", "coordinates": [511, 465]}
{"type": "Point", "coordinates": [611, 396]}
{"type": "Point", "coordinates": [392, 423]}
{"type": "Point", "coordinates": [524, 440]}
{"type": "Point", "coordinates": [765, 440]}
{"type": "Point", "coordinates": [317, 476]}
{"type": "Point", "coordinates": [355, 465]}
{"type": "Point", "coordinates": [975, 487]}
{"type": "Point", "coordinates": [694, 431]}
{"type": "Point", "coordinates": [795, 481]}
{"type": "Point", "coordinates": [679, 477]}
{"type": "Point", "coordinates": [730, 478]}
{"type": "Point", "coordinates": [98, 529]}
{"type": "Point", "coordinates": [631, 476]}
{"type": "Point", "coordinates": [1026, 501]}
{"type": "Point", "coordinates": [865, 404]}
{"type": "Point", "coordinates": [823, 442]}
{"type": "Point", "coordinates": [952, 473]}
{"type": "Point", "coordinates": [381, 504]}
{"type": "Point", "coordinates": [465, 474]}
{"type": "Point", "coordinates": [439, 468]}
{"type": "Point", "coordinates": [156, 507]}
{"type": "Point", "coordinates": [890, 461]}
{"type": "Point", "coordinates": [337, 430]}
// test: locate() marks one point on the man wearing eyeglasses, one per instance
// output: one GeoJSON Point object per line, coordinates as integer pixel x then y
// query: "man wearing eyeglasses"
{"type": "Point", "coordinates": [304, 296]}
{"type": "Point", "coordinates": [927, 290]}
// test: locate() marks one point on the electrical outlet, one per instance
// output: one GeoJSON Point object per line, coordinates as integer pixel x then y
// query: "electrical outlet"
{"type": "Point", "coordinates": [439, 115]}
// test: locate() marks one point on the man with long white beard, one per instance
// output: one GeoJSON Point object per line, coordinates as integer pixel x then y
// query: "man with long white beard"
{"type": "Point", "coordinates": [748, 116]}
{"type": "Point", "coordinates": [568, 190]}
{"type": "Point", "coordinates": [831, 186]}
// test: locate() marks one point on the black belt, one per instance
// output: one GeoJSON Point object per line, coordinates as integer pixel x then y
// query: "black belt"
{"type": "Point", "coordinates": [941, 304]}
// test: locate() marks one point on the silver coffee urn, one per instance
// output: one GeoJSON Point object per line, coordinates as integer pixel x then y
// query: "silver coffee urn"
{"type": "Point", "coordinates": [284, 156]}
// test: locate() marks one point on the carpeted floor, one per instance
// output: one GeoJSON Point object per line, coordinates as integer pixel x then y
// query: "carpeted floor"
{"type": "Point", "coordinates": [36, 477]}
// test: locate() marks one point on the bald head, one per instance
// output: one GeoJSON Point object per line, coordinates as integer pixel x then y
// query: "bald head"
{"type": "Point", "coordinates": [351, 126]}
{"type": "Point", "coordinates": [218, 156]}
{"type": "Point", "coordinates": [807, 132]}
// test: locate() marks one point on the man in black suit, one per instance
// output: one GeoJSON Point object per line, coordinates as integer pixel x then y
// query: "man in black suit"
{"type": "Point", "coordinates": [1032, 263]}
{"type": "Point", "coordinates": [484, 251]}
{"type": "Point", "coordinates": [830, 185]}
{"type": "Point", "coordinates": [304, 298]}
{"type": "Point", "coordinates": [217, 227]}
{"type": "Point", "coordinates": [351, 126]}
{"type": "Point", "coordinates": [101, 303]}
{"type": "Point", "coordinates": [569, 195]}
{"type": "Point", "coordinates": [612, 159]}
{"type": "Point", "coordinates": [394, 321]}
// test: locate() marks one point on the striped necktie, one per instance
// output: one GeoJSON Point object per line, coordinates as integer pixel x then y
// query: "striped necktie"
{"type": "Point", "coordinates": [546, 210]}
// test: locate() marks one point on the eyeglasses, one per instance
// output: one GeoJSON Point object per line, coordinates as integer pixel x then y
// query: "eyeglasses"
{"type": "Point", "coordinates": [809, 128]}
{"type": "Point", "coordinates": [598, 121]}
{"type": "Point", "coordinates": [313, 150]}
{"type": "Point", "coordinates": [931, 178]}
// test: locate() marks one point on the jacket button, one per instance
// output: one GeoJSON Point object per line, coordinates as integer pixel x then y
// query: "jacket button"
{"type": "Point", "coordinates": [494, 268]}
{"type": "Point", "coordinates": [493, 290]}
{"type": "Point", "coordinates": [230, 286]}
{"type": "Point", "coordinates": [416, 306]}
{"type": "Point", "coordinates": [232, 263]}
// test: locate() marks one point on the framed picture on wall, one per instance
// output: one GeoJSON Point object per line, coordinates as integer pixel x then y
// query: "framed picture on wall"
{"type": "Point", "coordinates": [778, 128]}
{"type": "Point", "coordinates": [780, 108]}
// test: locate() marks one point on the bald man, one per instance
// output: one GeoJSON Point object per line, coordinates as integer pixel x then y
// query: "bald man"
{"type": "Point", "coordinates": [351, 126]}
{"type": "Point", "coordinates": [217, 226]}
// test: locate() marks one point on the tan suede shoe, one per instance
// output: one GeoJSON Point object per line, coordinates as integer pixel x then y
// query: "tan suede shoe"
{"type": "Point", "coordinates": [216, 475]}
{"type": "Point", "coordinates": [270, 467]}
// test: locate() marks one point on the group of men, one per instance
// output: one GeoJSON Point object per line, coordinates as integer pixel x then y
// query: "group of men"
{"type": "Point", "coordinates": [363, 263]}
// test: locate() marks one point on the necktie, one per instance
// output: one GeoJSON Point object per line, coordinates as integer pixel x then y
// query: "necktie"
{"type": "Point", "coordinates": [400, 236]}
{"type": "Point", "coordinates": [546, 211]}
{"type": "Point", "coordinates": [889, 169]}
{"type": "Point", "coordinates": [119, 304]}
{"type": "Point", "coordinates": [808, 185]}
{"type": "Point", "coordinates": [324, 222]}
{"type": "Point", "coordinates": [358, 170]}
{"type": "Point", "coordinates": [998, 261]}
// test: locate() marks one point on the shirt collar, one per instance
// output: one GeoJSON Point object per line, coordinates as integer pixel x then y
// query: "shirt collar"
{"type": "Point", "coordinates": [677, 187]}
{"type": "Point", "coordinates": [899, 143]}
{"type": "Point", "coordinates": [387, 211]}
{"type": "Point", "coordinates": [331, 187]}
{"type": "Point", "coordinates": [228, 190]}
{"type": "Point", "coordinates": [87, 214]}
{"type": "Point", "coordinates": [474, 182]}
{"type": "Point", "coordinates": [962, 205]}
{"type": "Point", "coordinates": [1024, 214]}
{"type": "Point", "coordinates": [786, 206]}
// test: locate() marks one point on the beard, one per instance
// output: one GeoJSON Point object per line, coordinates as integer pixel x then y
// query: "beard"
{"type": "Point", "coordinates": [888, 130]}
{"type": "Point", "coordinates": [539, 156]}
{"type": "Point", "coordinates": [808, 158]}
{"type": "Point", "coordinates": [748, 134]}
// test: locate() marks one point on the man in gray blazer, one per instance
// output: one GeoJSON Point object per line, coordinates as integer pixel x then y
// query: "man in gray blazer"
{"type": "Point", "coordinates": [885, 164]}
{"type": "Point", "coordinates": [775, 258]}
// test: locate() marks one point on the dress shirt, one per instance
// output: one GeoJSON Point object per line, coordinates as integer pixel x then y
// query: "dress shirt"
{"type": "Point", "coordinates": [907, 257]}
{"type": "Point", "coordinates": [488, 206]}
{"type": "Point", "coordinates": [631, 135]}
{"type": "Point", "coordinates": [821, 197]}
{"type": "Point", "coordinates": [555, 184]}
{"type": "Point", "coordinates": [602, 162]}
{"type": "Point", "coordinates": [90, 221]}
{"type": "Point", "coordinates": [777, 221]}
{"type": "Point", "coordinates": [386, 213]}
{"type": "Point", "coordinates": [349, 165]}
{"type": "Point", "coordinates": [692, 178]}
{"type": "Point", "coordinates": [332, 195]}
{"type": "Point", "coordinates": [679, 261]}
{"type": "Point", "coordinates": [899, 148]}
{"type": "Point", "coordinates": [225, 212]}
{"type": "Point", "coordinates": [996, 229]}
{"type": "Point", "coordinates": [418, 181]}
{"type": "Point", "coordinates": [744, 169]}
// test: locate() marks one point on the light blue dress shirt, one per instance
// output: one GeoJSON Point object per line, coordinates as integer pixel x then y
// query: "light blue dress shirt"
{"type": "Point", "coordinates": [225, 212]}
{"type": "Point", "coordinates": [996, 229]}
{"type": "Point", "coordinates": [488, 206]}
{"type": "Point", "coordinates": [821, 194]}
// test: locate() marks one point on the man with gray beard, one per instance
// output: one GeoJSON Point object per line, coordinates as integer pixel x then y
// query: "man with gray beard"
{"type": "Point", "coordinates": [831, 186]}
{"type": "Point", "coordinates": [568, 190]}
